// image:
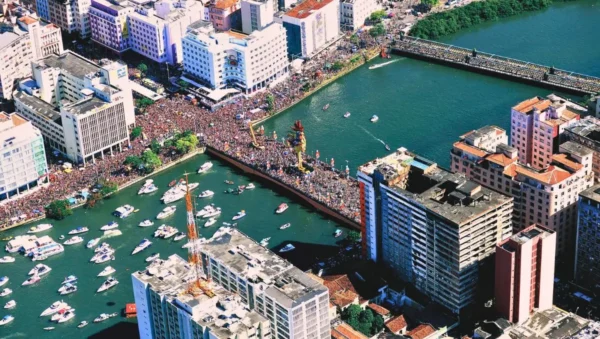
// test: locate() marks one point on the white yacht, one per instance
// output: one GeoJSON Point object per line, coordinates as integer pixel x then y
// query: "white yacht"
{"type": "Point", "coordinates": [55, 307]}
{"type": "Point", "coordinates": [250, 186]}
{"type": "Point", "coordinates": [79, 230]}
{"type": "Point", "coordinates": [110, 226]}
{"type": "Point", "coordinates": [101, 318]}
{"type": "Point", "coordinates": [6, 260]}
{"type": "Point", "coordinates": [206, 194]}
{"type": "Point", "coordinates": [108, 270]}
{"type": "Point", "coordinates": [166, 212]}
{"type": "Point", "coordinates": [146, 223]}
{"type": "Point", "coordinates": [67, 316]}
{"type": "Point", "coordinates": [39, 228]}
{"type": "Point", "coordinates": [205, 167]}
{"type": "Point", "coordinates": [190, 186]}
{"type": "Point", "coordinates": [266, 239]}
{"type": "Point", "coordinates": [3, 280]}
{"type": "Point", "coordinates": [69, 279]}
{"type": "Point", "coordinates": [103, 247]}
{"type": "Point", "coordinates": [239, 215]}
{"type": "Point", "coordinates": [148, 189]}
{"type": "Point", "coordinates": [92, 242]}
{"type": "Point", "coordinates": [347, 115]}
{"type": "Point", "coordinates": [210, 222]}
{"type": "Point", "coordinates": [281, 208]}
{"type": "Point", "coordinates": [82, 324]}
{"type": "Point", "coordinates": [178, 195]}
{"type": "Point", "coordinates": [20, 242]}
{"type": "Point", "coordinates": [287, 248]}
{"type": "Point", "coordinates": [169, 232]}
{"type": "Point", "coordinates": [67, 289]}
{"type": "Point", "coordinates": [112, 233]}
{"type": "Point", "coordinates": [374, 118]}
{"type": "Point", "coordinates": [123, 211]}
{"type": "Point", "coordinates": [206, 209]}
{"type": "Point", "coordinates": [46, 251]}
{"type": "Point", "coordinates": [74, 240]}
{"type": "Point", "coordinates": [284, 226]}
{"type": "Point", "coordinates": [10, 304]}
{"type": "Point", "coordinates": [160, 231]}
{"type": "Point", "coordinates": [179, 236]}
{"type": "Point", "coordinates": [109, 283]}
{"type": "Point", "coordinates": [40, 269]}
{"type": "Point", "coordinates": [142, 246]}
{"type": "Point", "coordinates": [5, 292]}
{"type": "Point", "coordinates": [34, 279]}
{"type": "Point", "coordinates": [104, 258]}
{"type": "Point", "coordinates": [6, 319]}
{"type": "Point", "coordinates": [153, 257]}
{"type": "Point", "coordinates": [60, 313]}
{"type": "Point", "coordinates": [146, 185]}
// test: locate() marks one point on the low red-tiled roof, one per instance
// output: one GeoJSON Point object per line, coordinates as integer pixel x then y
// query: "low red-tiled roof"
{"type": "Point", "coordinates": [225, 4]}
{"type": "Point", "coordinates": [341, 290]}
{"type": "Point", "coordinates": [500, 159]}
{"type": "Point", "coordinates": [343, 298]}
{"type": "Point", "coordinates": [27, 20]}
{"type": "Point", "coordinates": [552, 175]}
{"type": "Point", "coordinates": [470, 149]}
{"type": "Point", "coordinates": [396, 324]}
{"type": "Point", "coordinates": [421, 332]}
{"type": "Point", "coordinates": [529, 104]}
{"type": "Point", "coordinates": [305, 8]}
{"type": "Point", "coordinates": [379, 309]}
{"type": "Point", "coordinates": [345, 331]}
{"type": "Point", "coordinates": [563, 159]}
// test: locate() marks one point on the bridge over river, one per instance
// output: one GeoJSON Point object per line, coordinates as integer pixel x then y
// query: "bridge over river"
{"type": "Point", "coordinates": [476, 61]}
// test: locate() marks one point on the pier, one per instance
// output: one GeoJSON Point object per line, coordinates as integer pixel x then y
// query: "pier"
{"type": "Point", "coordinates": [495, 65]}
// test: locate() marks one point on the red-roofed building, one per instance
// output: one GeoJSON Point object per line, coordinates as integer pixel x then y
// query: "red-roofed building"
{"type": "Point", "coordinates": [397, 325]}
{"type": "Point", "coordinates": [382, 311]}
{"type": "Point", "coordinates": [225, 14]}
{"type": "Point", "coordinates": [345, 331]}
{"type": "Point", "coordinates": [311, 25]}
{"type": "Point", "coordinates": [423, 331]}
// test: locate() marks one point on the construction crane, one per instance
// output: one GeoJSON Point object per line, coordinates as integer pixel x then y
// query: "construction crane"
{"type": "Point", "coordinates": [197, 285]}
{"type": "Point", "coordinates": [254, 142]}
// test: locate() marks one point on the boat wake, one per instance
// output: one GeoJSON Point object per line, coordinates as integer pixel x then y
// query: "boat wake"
{"type": "Point", "coordinates": [16, 335]}
{"type": "Point", "coordinates": [371, 135]}
{"type": "Point", "coordinates": [383, 64]}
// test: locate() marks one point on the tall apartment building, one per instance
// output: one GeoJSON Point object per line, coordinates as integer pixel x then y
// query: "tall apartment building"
{"type": "Point", "coordinates": [43, 9]}
{"type": "Point", "coordinates": [108, 24]}
{"type": "Point", "coordinates": [546, 197]}
{"type": "Point", "coordinates": [536, 129]}
{"type": "Point", "coordinates": [83, 109]}
{"type": "Point", "coordinates": [156, 32]}
{"type": "Point", "coordinates": [311, 25]}
{"type": "Point", "coordinates": [587, 262]}
{"type": "Point", "coordinates": [525, 273]}
{"type": "Point", "coordinates": [71, 15]}
{"type": "Point", "coordinates": [231, 59]}
{"type": "Point", "coordinates": [256, 15]}
{"type": "Point", "coordinates": [296, 305]}
{"type": "Point", "coordinates": [23, 161]}
{"type": "Point", "coordinates": [224, 14]}
{"type": "Point", "coordinates": [586, 132]}
{"type": "Point", "coordinates": [27, 41]}
{"type": "Point", "coordinates": [432, 228]}
{"type": "Point", "coordinates": [166, 308]}
{"type": "Point", "coordinates": [354, 13]}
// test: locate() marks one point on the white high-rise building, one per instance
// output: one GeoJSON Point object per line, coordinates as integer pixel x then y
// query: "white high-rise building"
{"type": "Point", "coordinates": [354, 13]}
{"type": "Point", "coordinates": [22, 156]}
{"type": "Point", "coordinates": [311, 25]}
{"type": "Point", "coordinates": [157, 32]}
{"type": "Point", "coordinates": [256, 14]}
{"type": "Point", "coordinates": [108, 22]}
{"type": "Point", "coordinates": [166, 308]}
{"type": "Point", "coordinates": [83, 109]}
{"type": "Point", "coordinates": [72, 15]}
{"type": "Point", "coordinates": [230, 59]}
{"type": "Point", "coordinates": [296, 305]}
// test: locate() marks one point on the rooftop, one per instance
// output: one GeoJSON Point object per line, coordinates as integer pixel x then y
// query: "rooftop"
{"type": "Point", "coordinates": [39, 106]}
{"type": "Point", "coordinates": [244, 256]}
{"type": "Point", "coordinates": [7, 38]}
{"type": "Point", "coordinates": [224, 4]}
{"type": "Point", "coordinates": [589, 128]}
{"type": "Point", "coordinates": [379, 309]}
{"type": "Point", "coordinates": [86, 105]}
{"type": "Point", "coordinates": [532, 232]}
{"type": "Point", "coordinates": [306, 8]}
{"type": "Point", "coordinates": [70, 62]}
{"type": "Point", "coordinates": [421, 332]}
{"type": "Point", "coordinates": [345, 331]}
{"type": "Point", "coordinates": [592, 193]}
{"type": "Point", "coordinates": [396, 324]}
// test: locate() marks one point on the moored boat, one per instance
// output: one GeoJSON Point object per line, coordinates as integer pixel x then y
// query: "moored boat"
{"type": "Point", "coordinates": [6, 260]}
{"type": "Point", "coordinates": [39, 228]}
{"type": "Point", "coordinates": [101, 318]}
{"type": "Point", "coordinates": [67, 289]}
{"type": "Point", "coordinates": [214, 213]}
{"type": "Point", "coordinates": [287, 248]}
{"type": "Point", "coordinates": [92, 242]}
{"type": "Point", "coordinates": [173, 197]}
{"type": "Point", "coordinates": [60, 313]}
{"type": "Point", "coordinates": [229, 182]}
{"type": "Point", "coordinates": [206, 194]}
{"type": "Point", "coordinates": [5, 292]}
{"type": "Point", "coordinates": [250, 186]}
{"type": "Point", "coordinates": [10, 304]}
{"type": "Point", "coordinates": [50, 328]}
{"type": "Point", "coordinates": [108, 270]}
{"type": "Point", "coordinates": [110, 226]}
{"type": "Point", "coordinates": [153, 257]}
{"type": "Point", "coordinates": [3, 280]}
{"type": "Point", "coordinates": [281, 208]}
{"type": "Point", "coordinates": [239, 215]}
{"type": "Point", "coordinates": [284, 226]}
{"type": "Point", "coordinates": [82, 324]}
{"type": "Point", "coordinates": [123, 211]}
{"type": "Point", "coordinates": [112, 233]}
{"type": "Point", "coordinates": [69, 279]}
{"type": "Point", "coordinates": [6, 319]}
{"type": "Point", "coordinates": [210, 222]}
{"type": "Point", "coordinates": [326, 107]}
{"type": "Point", "coordinates": [40, 269]}
{"type": "Point", "coordinates": [179, 236]}
{"type": "Point", "coordinates": [347, 115]}
{"type": "Point", "coordinates": [145, 243]}
{"type": "Point", "coordinates": [55, 307]}
{"type": "Point", "coordinates": [205, 167]}
{"type": "Point", "coordinates": [108, 284]}
{"type": "Point", "coordinates": [79, 230]}
{"type": "Point", "coordinates": [166, 212]}
{"type": "Point", "coordinates": [67, 316]}
{"type": "Point", "coordinates": [374, 118]}
{"type": "Point", "coordinates": [146, 223]}
{"type": "Point", "coordinates": [74, 240]}
{"type": "Point", "coordinates": [337, 233]}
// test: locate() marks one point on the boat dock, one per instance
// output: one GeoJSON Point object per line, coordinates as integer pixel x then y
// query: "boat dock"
{"type": "Point", "coordinates": [495, 65]}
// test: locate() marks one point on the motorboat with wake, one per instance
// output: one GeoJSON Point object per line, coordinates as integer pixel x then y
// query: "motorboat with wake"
{"type": "Point", "coordinates": [206, 194]}
{"type": "Point", "coordinates": [146, 223]}
{"type": "Point", "coordinates": [374, 118]}
{"type": "Point", "coordinates": [108, 284]}
{"type": "Point", "coordinates": [287, 248]}
{"type": "Point", "coordinates": [239, 215]}
{"type": "Point", "coordinates": [387, 147]}
{"type": "Point", "coordinates": [284, 226]}
{"type": "Point", "coordinates": [74, 240]}
{"type": "Point", "coordinates": [281, 208]}
{"type": "Point", "coordinates": [10, 304]}
{"type": "Point", "coordinates": [6, 260]}
{"type": "Point", "coordinates": [382, 64]}
{"type": "Point", "coordinates": [142, 246]}
{"type": "Point", "coordinates": [205, 167]}
{"type": "Point", "coordinates": [79, 230]}
{"type": "Point", "coordinates": [110, 226]}
{"type": "Point", "coordinates": [108, 270]}
{"type": "Point", "coordinates": [39, 228]}
{"type": "Point", "coordinates": [6, 319]}
{"type": "Point", "coordinates": [123, 211]}
{"type": "Point", "coordinates": [92, 243]}
{"type": "Point", "coordinates": [166, 212]}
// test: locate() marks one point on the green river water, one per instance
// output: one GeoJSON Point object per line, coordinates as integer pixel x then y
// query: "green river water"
{"type": "Point", "coordinates": [421, 106]}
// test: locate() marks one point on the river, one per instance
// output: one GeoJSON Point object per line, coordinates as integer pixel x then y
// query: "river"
{"type": "Point", "coordinates": [421, 106]}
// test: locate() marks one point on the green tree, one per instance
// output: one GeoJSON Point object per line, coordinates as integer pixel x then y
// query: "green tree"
{"type": "Point", "coordinates": [142, 68]}
{"type": "Point", "coordinates": [354, 39]}
{"type": "Point", "coordinates": [270, 102]}
{"type": "Point", "coordinates": [58, 209]}
{"type": "Point", "coordinates": [377, 30]}
{"type": "Point", "coordinates": [151, 161]}
{"type": "Point", "coordinates": [108, 188]}
{"type": "Point", "coordinates": [377, 15]}
{"type": "Point", "coordinates": [155, 146]}
{"type": "Point", "coordinates": [133, 161]}
{"type": "Point", "coordinates": [186, 144]}
{"type": "Point", "coordinates": [143, 103]}
{"type": "Point", "coordinates": [338, 65]}
{"type": "Point", "coordinates": [93, 199]}
{"type": "Point", "coordinates": [353, 236]}
{"type": "Point", "coordinates": [429, 3]}
{"type": "Point", "coordinates": [183, 84]}
{"type": "Point", "coordinates": [352, 312]}
{"type": "Point", "coordinates": [136, 132]}
{"type": "Point", "coordinates": [377, 324]}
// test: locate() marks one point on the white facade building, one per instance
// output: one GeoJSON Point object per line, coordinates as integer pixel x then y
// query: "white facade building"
{"type": "Point", "coordinates": [156, 33]}
{"type": "Point", "coordinates": [83, 109]}
{"type": "Point", "coordinates": [311, 25]}
{"type": "Point", "coordinates": [229, 59]}
{"type": "Point", "coordinates": [22, 156]}
{"type": "Point", "coordinates": [353, 13]}
{"type": "Point", "coordinates": [72, 16]}
{"type": "Point", "coordinates": [256, 14]}
{"type": "Point", "coordinates": [108, 22]}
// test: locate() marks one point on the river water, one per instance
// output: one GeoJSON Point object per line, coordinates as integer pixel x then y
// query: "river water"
{"type": "Point", "coordinates": [421, 106]}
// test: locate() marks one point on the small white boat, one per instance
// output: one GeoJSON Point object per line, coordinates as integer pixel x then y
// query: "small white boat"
{"type": "Point", "coordinates": [148, 190]}
{"type": "Point", "coordinates": [190, 186]}
{"type": "Point", "coordinates": [153, 257]}
{"type": "Point", "coordinates": [123, 211]}
{"type": "Point", "coordinates": [60, 313]}
{"type": "Point", "coordinates": [66, 317]}
{"type": "Point", "coordinates": [250, 186]}
{"type": "Point", "coordinates": [173, 197]}
{"type": "Point", "coordinates": [3, 280]}
{"type": "Point", "coordinates": [142, 246]}
{"type": "Point", "coordinates": [337, 233]}
{"type": "Point", "coordinates": [387, 147]}
{"type": "Point", "coordinates": [102, 248]}
{"type": "Point", "coordinates": [6, 260]}
{"type": "Point", "coordinates": [39, 228]}
{"type": "Point", "coordinates": [287, 248]}
{"type": "Point", "coordinates": [55, 307]}
{"type": "Point", "coordinates": [281, 208]}
{"type": "Point", "coordinates": [204, 210]}
{"type": "Point", "coordinates": [166, 212]}
{"type": "Point", "coordinates": [146, 186]}
{"type": "Point", "coordinates": [101, 318]}
{"type": "Point", "coordinates": [326, 107]}
{"type": "Point", "coordinates": [69, 279]}
{"type": "Point", "coordinates": [74, 240]}
{"type": "Point", "coordinates": [82, 324]}
{"type": "Point", "coordinates": [108, 270]}
{"type": "Point", "coordinates": [239, 215]}
{"type": "Point", "coordinates": [266, 239]}
{"type": "Point", "coordinates": [169, 232]}
{"type": "Point", "coordinates": [214, 213]}
{"type": "Point", "coordinates": [110, 226]}
{"type": "Point", "coordinates": [79, 230]}
{"type": "Point", "coordinates": [206, 194]}
{"type": "Point", "coordinates": [179, 236]}
{"type": "Point", "coordinates": [284, 226]}
{"type": "Point", "coordinates": [347, 115]}
{"type": "Point", "coordinates": [6, 319]}
{"type": "Point", "coordinates": [210, 222]}
{"type": "Point", "coordinates": [48, 328]}
{"type": "Point", "coordinates": [374, 118]}
{"type": "Point", "coordinates": [109, 283]}
{"type": "Point", "coordinates": [67, 289]}
{"type": "Point", "coordinates": [92, 242]}
{"type": "Point", "coordinates": [5, 292]}
{"type": "Point", "coordinates": [61, 237]}
{"type": "Point", "coordinates": [10, 304]}
{"type": "Point", "coordinates": [39, 269]}
{"type": "Point", "coordinates": [104, 258]}
{"type": "Point", "coordinates": [205, 167]}
{"type": "Point", "coordinates": [146, 223]}
{"type": "Point", "coordinates": [112, 233]}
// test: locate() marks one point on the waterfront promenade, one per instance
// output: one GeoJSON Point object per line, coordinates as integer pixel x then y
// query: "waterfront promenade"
{"type": "Point", "coordinates": [473, 60]}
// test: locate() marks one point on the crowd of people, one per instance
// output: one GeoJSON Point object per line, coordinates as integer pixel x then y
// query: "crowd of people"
{"type": "Point", "coordinates": [223, 130]}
